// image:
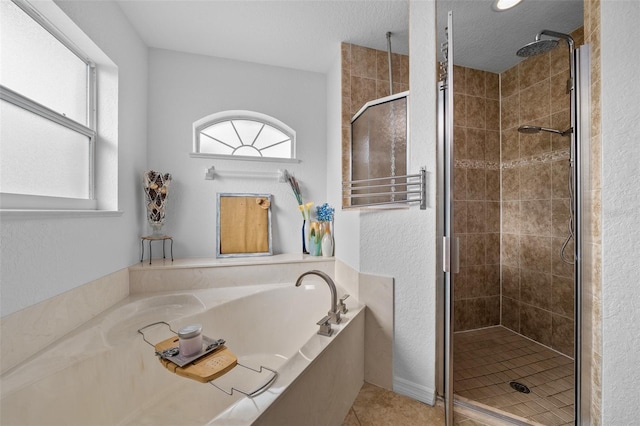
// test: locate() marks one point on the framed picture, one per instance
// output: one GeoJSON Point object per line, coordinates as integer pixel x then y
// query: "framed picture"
{"type": "Point", "coordinates": [243, 225]}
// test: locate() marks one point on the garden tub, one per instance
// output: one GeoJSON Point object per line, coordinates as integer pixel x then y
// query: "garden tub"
{"type": "Point", "coordinates": [104, 373]}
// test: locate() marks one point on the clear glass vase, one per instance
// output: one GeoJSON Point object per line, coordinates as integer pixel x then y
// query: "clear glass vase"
{"type": "Point", "coordinates": [156, 228]}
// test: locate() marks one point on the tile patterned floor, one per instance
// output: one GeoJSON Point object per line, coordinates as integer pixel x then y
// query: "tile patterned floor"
{"type": "Point", "coordinates": [486, 360]}
{"type": "Point", "coordinates": [376, 406]}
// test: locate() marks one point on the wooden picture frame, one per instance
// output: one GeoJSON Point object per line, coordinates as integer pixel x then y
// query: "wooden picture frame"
{"type": "Point", "coordinates": [243, 225]}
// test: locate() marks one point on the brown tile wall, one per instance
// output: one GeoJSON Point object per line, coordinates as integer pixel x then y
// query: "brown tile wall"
{"type": "Point", "coordinates": [537, 287]}
{"type": "Point", "coordinates": [593, 279]}
{"type": "Point", "coordinates": [365, 77]}
{"type": "Point", "coordinates": [477, 198]}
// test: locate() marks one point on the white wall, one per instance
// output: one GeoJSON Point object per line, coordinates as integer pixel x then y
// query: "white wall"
{"type": "Point", "coordinates": [185, 87]}
{"type": "Point", "coordinates": [402, 243]}
{"type": "Point", "coordinates": [620, 211]}
{"type": "Point", "coordinates": [399, 243]}
{"type": "Point", "coordinates": [43, 256]}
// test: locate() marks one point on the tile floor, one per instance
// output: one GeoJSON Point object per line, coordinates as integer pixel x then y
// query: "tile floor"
{"type": "Point", "coordinates": [486, 360]}
{"type": "Point", "coordinates": [375, 406]}
{"type": "Point", "coordinates": [378, 406]}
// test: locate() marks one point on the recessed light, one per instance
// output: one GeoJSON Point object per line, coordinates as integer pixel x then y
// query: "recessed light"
{"type": "Point", "coordinates": [502, 5]}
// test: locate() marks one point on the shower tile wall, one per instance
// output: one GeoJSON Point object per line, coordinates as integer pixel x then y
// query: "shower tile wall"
{"type": "Point", "coordinates": [365, 77]}
{"type": "Point", "coordinates": [537, 287]}
{"type": "Point", "coordinates": [477, 198]}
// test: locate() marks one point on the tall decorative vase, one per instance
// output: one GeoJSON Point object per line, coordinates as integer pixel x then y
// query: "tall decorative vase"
{"type": "Point", "coordinates": [156, 190]}
{"type": "Point", "coordinates": [315, 239]}
{"type": "Point", "coordinates": [307, 230]}
{"type": "Point", "coordinates": [305, 238]}
{"type": "Point", "coordinates": [327, 240]}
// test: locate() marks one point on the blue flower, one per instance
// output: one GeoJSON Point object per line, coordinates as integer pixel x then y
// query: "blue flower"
{"type": "Point", "coordinates": [324, 213]}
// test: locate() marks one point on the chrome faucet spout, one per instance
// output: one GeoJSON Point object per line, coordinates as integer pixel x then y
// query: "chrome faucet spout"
{"type": "Point", "coordinates": [332, 287]}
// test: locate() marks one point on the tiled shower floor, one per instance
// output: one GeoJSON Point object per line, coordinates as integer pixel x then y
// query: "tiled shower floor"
{"type": "Point", "coordinates": [486, 360]}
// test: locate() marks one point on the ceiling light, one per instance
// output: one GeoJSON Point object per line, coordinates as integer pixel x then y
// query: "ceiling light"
{"type": "Point", "coordinates": [501, 5]}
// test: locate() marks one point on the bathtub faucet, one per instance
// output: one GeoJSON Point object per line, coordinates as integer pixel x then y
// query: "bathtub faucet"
{"type": "Point", "coordinates": [334, 313]}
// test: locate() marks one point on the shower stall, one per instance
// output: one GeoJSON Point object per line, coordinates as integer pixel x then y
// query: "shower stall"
{"type": "Point", "coordinates": [512, 146]}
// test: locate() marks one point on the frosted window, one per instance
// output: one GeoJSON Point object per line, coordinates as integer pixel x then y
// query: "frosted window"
{"type": "Point", "coordinates": [38, 66]}
{"type": "Point", "coordinates": [40, 157]}
{"type": "Point", "coordinates": [247, 137]}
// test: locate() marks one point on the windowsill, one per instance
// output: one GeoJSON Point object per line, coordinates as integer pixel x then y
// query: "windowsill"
{"type": "Point", "coordinates": [55, 214]}
{"type": "Point", "coordinates": [243, 158]}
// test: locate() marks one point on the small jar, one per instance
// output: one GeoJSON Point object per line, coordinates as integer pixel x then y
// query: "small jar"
{"type": "Point", "coordinates": [190, 340]}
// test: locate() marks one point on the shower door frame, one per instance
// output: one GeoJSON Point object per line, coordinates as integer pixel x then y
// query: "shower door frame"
{"type": "Point", "coordinates": [448, 247]}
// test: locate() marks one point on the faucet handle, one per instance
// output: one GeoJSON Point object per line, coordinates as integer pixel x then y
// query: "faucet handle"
{"type": "Point", "coordinates": [323, 321]}
{"type": "Point", "coordinates": [342, 307]}
{"type": "Point", "coordinates": [334, 317]}
{"type": "Point", "coordinates": [325, 326]}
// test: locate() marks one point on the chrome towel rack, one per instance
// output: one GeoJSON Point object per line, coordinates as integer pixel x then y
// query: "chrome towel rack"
{"type": "Point", "coordinates": [403, 189]}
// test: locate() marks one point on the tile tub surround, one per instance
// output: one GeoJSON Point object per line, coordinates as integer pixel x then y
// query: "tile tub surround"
{"type": "Point", "coordinates": [135, 387]}
{"type": "Point", "coordinates": [376, 293]}
{"type": "Point", "coordinates": [365, 77]}
{"type": "Point", "coordinates": [477, 197]}
{"type": "Point", "coordinates": [326, 392]}
{"type": "Point", "coordinates": [199, 273]}
{"type": "Point", "coordinates": [30, 330]}
{"type": "Point", "coordinates": [537, 287]}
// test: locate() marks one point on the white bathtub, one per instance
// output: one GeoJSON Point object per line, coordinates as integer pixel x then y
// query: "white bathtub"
{"type": "Point", "coordinates": [105, 374]}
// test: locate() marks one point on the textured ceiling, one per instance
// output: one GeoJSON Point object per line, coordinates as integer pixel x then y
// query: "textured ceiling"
{"type": "Point", "coordinates": [488, 40]}
{"type": "Point", "coordinates": [301, 34]}
{"type": "Point", "coordinates": [305, 34]}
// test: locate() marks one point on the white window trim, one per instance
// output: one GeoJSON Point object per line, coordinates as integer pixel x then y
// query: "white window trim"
{"type": "Point", "coordinates": [105, 201]}
{"type": "Point", "coordinates": [218, 117]}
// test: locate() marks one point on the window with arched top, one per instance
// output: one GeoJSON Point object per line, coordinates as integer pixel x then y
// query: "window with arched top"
{"type": "Point", "coordinates": [245, 135]}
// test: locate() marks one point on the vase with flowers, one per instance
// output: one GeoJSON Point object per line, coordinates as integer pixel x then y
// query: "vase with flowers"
{"type": "Point", "coordinates": [324, 214]}
{"type": "Point", "coordinates": [305, 209]}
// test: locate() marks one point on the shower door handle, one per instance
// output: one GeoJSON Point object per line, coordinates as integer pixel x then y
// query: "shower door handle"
{"type": "Point", "coordinates": [451, 255]}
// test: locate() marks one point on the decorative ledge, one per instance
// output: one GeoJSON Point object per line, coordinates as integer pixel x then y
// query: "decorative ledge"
{"type": "Point", "coordinates": [205, 262]}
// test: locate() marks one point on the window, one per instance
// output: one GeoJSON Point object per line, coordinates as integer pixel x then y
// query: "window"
{"type": "Point", "coordinates": [47, 104]}
{"type": "Point", "coordinates": [243, 135]}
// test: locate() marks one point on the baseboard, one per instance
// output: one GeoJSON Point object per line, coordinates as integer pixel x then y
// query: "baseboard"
{"type": "Point", "coordinates": [413, 390]}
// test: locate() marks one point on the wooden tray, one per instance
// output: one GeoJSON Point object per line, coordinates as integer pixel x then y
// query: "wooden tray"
{"type": "Point", "coordinates": [203, 369]}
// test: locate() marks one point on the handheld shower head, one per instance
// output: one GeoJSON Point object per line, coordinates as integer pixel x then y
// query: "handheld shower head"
{"type": "Point", "coordinates": [529, 129]}
{"type": "Point", "coordinates": [537, 129]}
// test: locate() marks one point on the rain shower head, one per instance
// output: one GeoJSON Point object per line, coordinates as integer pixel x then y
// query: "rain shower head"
{"type": "Point", "coordinates": [538, 129]}
{"type": "Point", "coordinates": [537, 47]}
{"type": "Point", "coordinates": [540, 46]}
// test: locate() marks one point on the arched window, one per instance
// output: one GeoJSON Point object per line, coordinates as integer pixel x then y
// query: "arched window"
{"type": "Point", "coordinates": [244, 135]}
